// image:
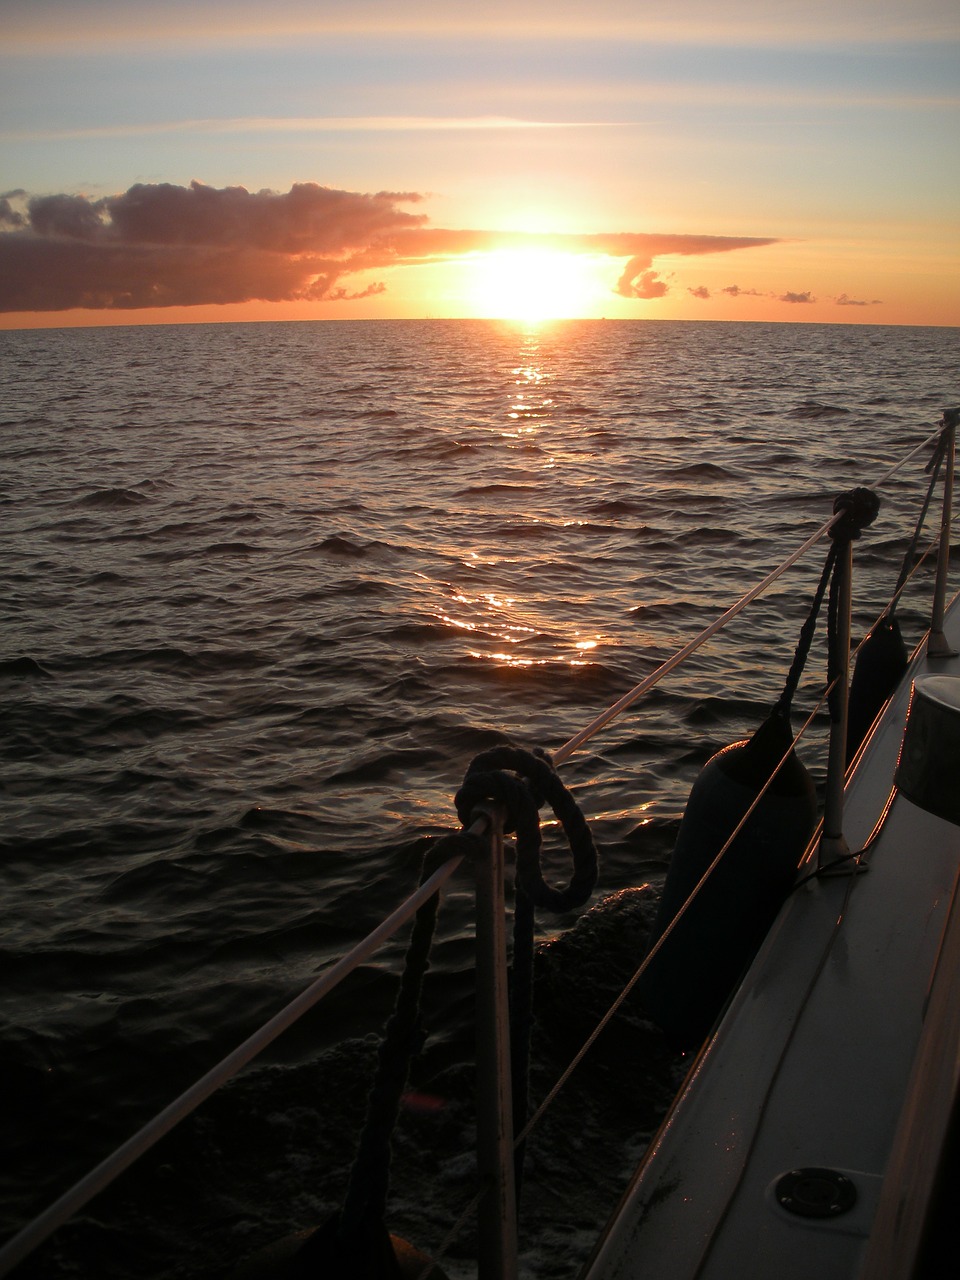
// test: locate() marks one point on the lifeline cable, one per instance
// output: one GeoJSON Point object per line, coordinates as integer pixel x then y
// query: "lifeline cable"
{"type": "Point", "coordinates": [645, 685]}
{"type": "Point", "coordinates": [43, 1226]}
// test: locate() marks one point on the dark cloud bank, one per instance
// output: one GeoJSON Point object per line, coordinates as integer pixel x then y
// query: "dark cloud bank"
{"type": "Point", "coordinates": [162, 245]}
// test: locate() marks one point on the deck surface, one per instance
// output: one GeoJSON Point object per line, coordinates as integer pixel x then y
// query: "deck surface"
{"type": "Point", "coordinates": [811, 1063]}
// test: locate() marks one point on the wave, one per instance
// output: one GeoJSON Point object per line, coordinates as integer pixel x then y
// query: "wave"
{"type": "Point", "coordinates": [24, 668]}
{"type": "Point", "coordinates": [376, 767]}
{"type": "Point", "coordinates": [112, 499]}
{"type": "Point", "coordinates": [231, 549]}
{"type": "Point", "coordinates": [813, 409]}
{"type": "Point", "coordinates": [711, 535]}
{"type": "Point", "coordinates": [339, 544]}
{"type": "Point", "coordinates": [702, 471]}
{"type": "Point", "coordinates": [503, 486]}
{"type": "Point", "coordinates": [617, 507]}
{"type": "Point", "coordinates": [441, 449]}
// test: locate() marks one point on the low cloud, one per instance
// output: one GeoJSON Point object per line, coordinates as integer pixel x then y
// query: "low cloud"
{"type": "Point", "coordinates": [636, 282]}
{"type": "Point", "coordinates": [701, 291]}
{"type": "Point", "coordinates": [9, 216]}
{"type": "Point", "coordinates": [161, 245]}
{"type": "Point", "coordinates": [735, 291]}
{"type": "Point", "coordinates": [845, 301]}
{"type": "Point", "coordinates": [797, 297]}
{"type": "Point", "coordinates": [639, 280]}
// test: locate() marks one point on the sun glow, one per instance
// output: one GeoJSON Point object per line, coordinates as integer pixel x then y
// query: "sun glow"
{"type": "Point", "coordinates": [532, 285]}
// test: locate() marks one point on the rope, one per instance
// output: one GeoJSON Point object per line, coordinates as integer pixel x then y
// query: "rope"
{"type": "Point", "coordinates": [486, 779]}
{"type": "Point", "coordinates": [933, 467]}
{"type": "Point", "coordinates": [522, 781]}
{"type": "Point", "coordinates": [366, 1198]}
{"type": "Point", "coordinates": [690, 647]}
{"type": "Point", "coordinates": [43, 1226]}
{"type": "Point", "coordinates": [805, 639]}
{"type": "Point", "coordinates": [857, 509]}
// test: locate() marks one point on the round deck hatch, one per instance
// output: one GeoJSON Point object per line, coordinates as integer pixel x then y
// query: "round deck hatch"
{"type": "Point", "coordinates": [929, 763]}
{"type": "Point", "coordinates": [816, 1193]}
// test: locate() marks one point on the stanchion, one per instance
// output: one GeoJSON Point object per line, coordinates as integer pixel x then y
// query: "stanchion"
{"type": "Point", "coordinates": [497, 1214]}
{"type": "Point", "coordinates": [833, 846]}
{"type": "Point", "coordinates": [937, 645]}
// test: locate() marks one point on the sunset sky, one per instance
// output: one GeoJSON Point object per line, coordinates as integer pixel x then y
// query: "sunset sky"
{"type": "Point", "coordinates": [688, 159]}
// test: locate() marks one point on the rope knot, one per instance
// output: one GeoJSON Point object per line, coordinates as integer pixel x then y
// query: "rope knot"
{"type": "Point", "coordinates": [522, 781]}
{"type": "Point", "coordinates": [859, 509]}
{"type": "Point", "coordinates": [503, 788]}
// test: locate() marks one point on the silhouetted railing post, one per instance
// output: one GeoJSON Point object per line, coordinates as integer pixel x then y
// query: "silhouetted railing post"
{"type": "Point", "coordinates": [833, 846]}
{"type": "Point", "coordinates": [497, 1213]}
{"type": "Point", "coordinates": [937, 645]}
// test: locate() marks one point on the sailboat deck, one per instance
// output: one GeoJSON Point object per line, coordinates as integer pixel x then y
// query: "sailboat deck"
{"type": "Point", "coordinates": [811, 1065]}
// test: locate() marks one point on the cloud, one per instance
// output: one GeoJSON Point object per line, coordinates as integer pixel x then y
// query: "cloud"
{"type": "Point", "coordinates": [164, 245]}
{"type": "Point", "coordinates": [64, 25]}
{"type": "Point", "coordinates": [9, 216]}
{"type": "Point", "coordinates": [639, 280]}
{"type": "Point", "coordinates": [844, 301]}
{"type": "Point", "coordinates": [641, 284]}
{"type": "Point", "coordinates": [735, 291]}
{"type": "Point", "coordinates": [161, 245]}
{"type": "Point", "coordinates": [701, 291]}
{"type": "Point", "coordinates": [299, 125]}
{"type": "Point", "coordinates": [797, 297]}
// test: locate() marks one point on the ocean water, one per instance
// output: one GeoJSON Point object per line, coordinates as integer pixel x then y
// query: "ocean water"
{"type": "Point", "coordinates": [266, 590]}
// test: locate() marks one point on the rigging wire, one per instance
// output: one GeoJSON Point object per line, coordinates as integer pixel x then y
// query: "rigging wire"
{"type": "Point", "coordinates": [573, 744]}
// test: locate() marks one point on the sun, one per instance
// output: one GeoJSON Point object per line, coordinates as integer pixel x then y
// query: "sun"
{"type": "Point", "coordinates": [532, 285]}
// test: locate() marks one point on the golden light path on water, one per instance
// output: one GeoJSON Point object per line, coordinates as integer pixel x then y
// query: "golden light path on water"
{"type": "Point", "coordinates": [501, 617]}
{"type": "Point", "coordinates": [499, 621]}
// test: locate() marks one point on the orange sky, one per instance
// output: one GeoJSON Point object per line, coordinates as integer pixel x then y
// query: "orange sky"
{"type": "Point", "coordinates": [202, 161]}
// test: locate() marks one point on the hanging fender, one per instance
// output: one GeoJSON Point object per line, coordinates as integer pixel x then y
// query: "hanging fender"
{"type": "Point", "coordinates": [688, 981]}
{"type": "Point", "coordinates": [879, 666]}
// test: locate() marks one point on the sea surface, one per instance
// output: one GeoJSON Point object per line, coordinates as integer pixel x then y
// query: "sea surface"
{"type": "Point", "coordinates": [266, 590]}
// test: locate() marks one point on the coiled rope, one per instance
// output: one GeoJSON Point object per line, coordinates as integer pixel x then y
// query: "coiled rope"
{"type": "Point", "coordinates": [522, 781]}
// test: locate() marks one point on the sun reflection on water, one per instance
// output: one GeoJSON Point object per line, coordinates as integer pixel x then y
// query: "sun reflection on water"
{"type": "Point", "coordinates": [504, 628]}
{"type": "Point", "coordinates": [510, 629]}
{"type": "Point", "coordinates": [530, 402]}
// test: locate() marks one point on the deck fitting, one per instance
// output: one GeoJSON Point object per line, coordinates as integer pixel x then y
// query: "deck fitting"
{"type": "Point", "coordinates": [816, 1193]}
